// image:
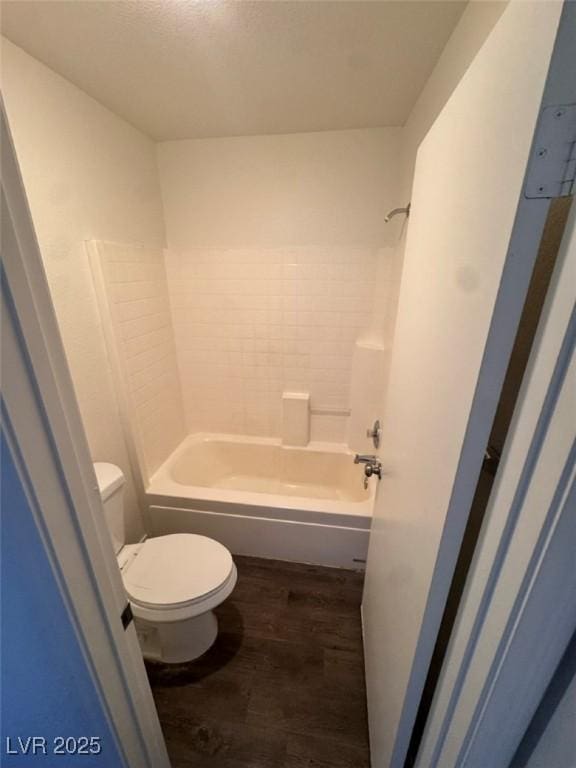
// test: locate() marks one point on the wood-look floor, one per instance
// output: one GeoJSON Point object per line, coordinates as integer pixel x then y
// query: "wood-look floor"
{"type": "Point", "coordinates": [283, 686]}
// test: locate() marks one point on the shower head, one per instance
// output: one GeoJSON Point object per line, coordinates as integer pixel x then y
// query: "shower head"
{"type": "Point", "coordinates": [396, 211]}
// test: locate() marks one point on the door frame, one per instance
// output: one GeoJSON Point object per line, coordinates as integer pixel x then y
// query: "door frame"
{"type": "Point", "coordinates": [518, 612]}
{"type": "Point", "coordinates": [43, 427]}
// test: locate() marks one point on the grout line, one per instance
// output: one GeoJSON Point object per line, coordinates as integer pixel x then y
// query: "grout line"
{"type": "Point", "coordinates": [149, 365]}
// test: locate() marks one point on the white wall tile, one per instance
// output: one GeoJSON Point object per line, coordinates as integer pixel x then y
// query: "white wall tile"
{"type": "Point", "coordinates": [141, 317]}
{"type": "Point", "coordinates": [255, 322]}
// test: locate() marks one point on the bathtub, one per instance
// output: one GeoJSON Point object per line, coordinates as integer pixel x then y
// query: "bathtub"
{"type": "Point", "coordinates": [264, 499]}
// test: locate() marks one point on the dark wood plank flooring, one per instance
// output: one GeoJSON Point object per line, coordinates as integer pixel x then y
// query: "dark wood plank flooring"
{"type": "Point", "coordinates": [283, 686]}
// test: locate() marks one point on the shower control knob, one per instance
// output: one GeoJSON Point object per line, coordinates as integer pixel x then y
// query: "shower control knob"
{"type": "Point", "coordinates": [374, 433]}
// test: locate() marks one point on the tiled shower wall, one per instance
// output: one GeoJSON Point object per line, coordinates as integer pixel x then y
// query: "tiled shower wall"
{"type": "Point", "coordinates": [252, 323]}
{"type": "Point", "coordinates": [272, 248]}
{"type": "Point", "coordinates": [136, 297]}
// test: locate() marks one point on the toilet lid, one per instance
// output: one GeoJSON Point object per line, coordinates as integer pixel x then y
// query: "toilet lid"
{"type": "Point", "coordinates": [177, 569]}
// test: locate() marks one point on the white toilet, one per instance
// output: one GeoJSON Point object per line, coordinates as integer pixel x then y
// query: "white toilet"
{"type": "Point", "coordinates": [173, 582]}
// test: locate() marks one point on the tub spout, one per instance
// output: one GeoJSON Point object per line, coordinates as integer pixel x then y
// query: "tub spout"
{"type": "Point", "coordinates": [367, 458]}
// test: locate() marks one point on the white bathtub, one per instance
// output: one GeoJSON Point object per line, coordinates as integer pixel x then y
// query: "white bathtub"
{"type": "Point", "coordinates": [261, 498]}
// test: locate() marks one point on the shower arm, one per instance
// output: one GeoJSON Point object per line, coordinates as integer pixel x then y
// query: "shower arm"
{"type": "Point", "coordinates": [396, 212]}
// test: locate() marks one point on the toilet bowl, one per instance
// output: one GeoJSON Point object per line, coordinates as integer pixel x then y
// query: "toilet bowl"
{"type": "Point", "coordinates": [173, 582]}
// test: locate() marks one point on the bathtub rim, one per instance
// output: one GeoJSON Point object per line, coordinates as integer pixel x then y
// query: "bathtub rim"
{"type": "Point", "coordinates": [162, 488]}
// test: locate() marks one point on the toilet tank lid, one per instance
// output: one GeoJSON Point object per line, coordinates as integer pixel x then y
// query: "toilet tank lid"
{"type": "Point", "coordinates": [109, 478]}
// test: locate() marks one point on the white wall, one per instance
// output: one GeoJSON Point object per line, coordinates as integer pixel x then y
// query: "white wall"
{"type": "Point", "coordinates": [274, 243]}
{"type": "Point", "coordinates": [133, 298]}
{"type": "Point", "coordinates": [251, 323]}
{"type": "Point", "coordinates": [327, 188]}
{"type": "Point", "coordinates": [468, 37]}
{"type": "Point", "coordinates": [369, 402]}
{"type": "Point", "coordinates": [87, 174]}
{"type": "Point", "coordinates": [474, 26]}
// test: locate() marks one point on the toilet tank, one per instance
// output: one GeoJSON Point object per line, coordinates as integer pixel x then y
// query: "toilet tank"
{"type": "Point", "coordinates": [111, 486]}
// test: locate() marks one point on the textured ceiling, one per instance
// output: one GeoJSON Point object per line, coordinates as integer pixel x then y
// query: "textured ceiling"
{"type": "Point", "coordinates": [181, 69]}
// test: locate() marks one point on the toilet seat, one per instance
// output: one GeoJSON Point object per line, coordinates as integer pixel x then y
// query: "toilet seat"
{"type": "Point", "coordinates": [178, 575]}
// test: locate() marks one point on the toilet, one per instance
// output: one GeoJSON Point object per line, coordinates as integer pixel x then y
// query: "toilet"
{"type": "Point", "coordinates": [173, 582]}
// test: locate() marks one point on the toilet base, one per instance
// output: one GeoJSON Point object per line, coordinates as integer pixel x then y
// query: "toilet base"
{"type": "Point", "coordinates": [178, 641]}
